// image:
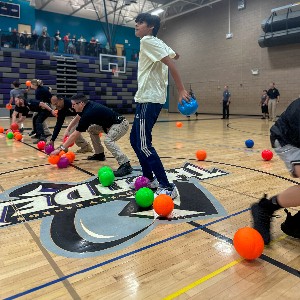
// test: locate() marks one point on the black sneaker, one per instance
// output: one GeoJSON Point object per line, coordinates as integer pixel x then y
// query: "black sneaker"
{"type": "Point", "coordinates": [32, 133]}
{"type": "Point", "coordinates": [21, 129]}
{"type": "Point", "coordinates": [99, 156]}
{"type": "Point", "coordinates": [291, 225]}
{"type": "Point", "coordinates": [262, 219]}
{"type": "Point", "coordinates": [123, 170]}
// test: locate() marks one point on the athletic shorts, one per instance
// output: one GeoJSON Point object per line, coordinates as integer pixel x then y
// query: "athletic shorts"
{"type": "Point", "coordinates": [264, 109]}
{"type": "Point", "coordinates": [24, 110]}
{"type": "Point", "coordinates": [289, 154]}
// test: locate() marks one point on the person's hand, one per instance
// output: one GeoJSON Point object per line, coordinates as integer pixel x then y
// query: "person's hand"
{"type": "Point", "coordinates": [176, 56]}
{"type": "Point", "coordinates": [184, 95]}
{"type": "Point", "coordinates": [55, 152]}
{"type": "Point", "coordinates": [50, 143]}
{"type": "Point", "coordinates": [54, 113]}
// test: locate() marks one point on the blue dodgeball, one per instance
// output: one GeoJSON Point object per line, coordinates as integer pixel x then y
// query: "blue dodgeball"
{"type": "Point", "coordinates": [188, 108]}
{"type": "Point", "coordinates": [249, 143]}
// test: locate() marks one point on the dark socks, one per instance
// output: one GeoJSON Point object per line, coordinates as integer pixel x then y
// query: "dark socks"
{"type": "Point", "coordinates": [272, 205]}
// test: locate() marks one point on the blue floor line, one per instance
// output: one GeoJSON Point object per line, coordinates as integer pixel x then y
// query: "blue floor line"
{"type": "Point", "coordinates": [39, 287]}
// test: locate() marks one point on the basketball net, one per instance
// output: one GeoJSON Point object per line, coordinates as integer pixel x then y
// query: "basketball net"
{"type": "Point", "coordinates": [115, 71]}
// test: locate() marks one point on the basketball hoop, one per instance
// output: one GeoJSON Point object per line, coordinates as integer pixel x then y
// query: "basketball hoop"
{"type": "Point", "coordinates": [115, 71]}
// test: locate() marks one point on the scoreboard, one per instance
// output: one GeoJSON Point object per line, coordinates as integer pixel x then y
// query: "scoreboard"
{"type": "Point", "coordinates": [11, 10]}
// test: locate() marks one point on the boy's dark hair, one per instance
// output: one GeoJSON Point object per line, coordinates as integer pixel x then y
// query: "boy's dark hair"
{"type": "Point", "coordinates": [150, 20]}
{"type": "Point", "coordinates": [265, 91]}
{"type": "Point", "coordinates": [80, 98]}
{"type": "Point", "coordinates": [16, 83]}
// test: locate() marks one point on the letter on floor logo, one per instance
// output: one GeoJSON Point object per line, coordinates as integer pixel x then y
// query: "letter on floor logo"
{"type": "Point", "coordinates": [86, 219]}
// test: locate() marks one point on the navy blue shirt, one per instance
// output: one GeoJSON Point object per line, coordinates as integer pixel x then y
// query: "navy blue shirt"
{"type": "Point", "coordinates": [61, 116]}
{"type": "Point", "coordinates": [273, 93]}
{"type": "Point", "coordinates": [226, 96]}
{"type": "Point", "coordinates": [95, 113]}
{"type": "Point", "coordinates": [42, 93]}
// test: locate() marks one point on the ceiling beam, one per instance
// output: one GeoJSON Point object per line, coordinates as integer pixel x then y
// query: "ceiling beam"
{"type": "Point", "coordinates": [44, 4]}
{"type": "Point", "coordinates": [191, 10]}
{"type": "Point", "coordinates": [80, 8]}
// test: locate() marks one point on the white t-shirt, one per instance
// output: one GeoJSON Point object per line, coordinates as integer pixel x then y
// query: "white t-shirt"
{"type": "Point", "coordinates": [152, 73]}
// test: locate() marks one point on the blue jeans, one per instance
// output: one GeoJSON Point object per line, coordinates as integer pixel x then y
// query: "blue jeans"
{"type": "Point", "coordinates": [141, 141]}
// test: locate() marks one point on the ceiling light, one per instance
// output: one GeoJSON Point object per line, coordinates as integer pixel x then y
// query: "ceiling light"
{"type": "Point", "coordinates": [157, 11]}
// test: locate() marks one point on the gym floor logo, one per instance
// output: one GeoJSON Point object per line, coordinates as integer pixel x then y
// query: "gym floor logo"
{"type": "Point", "coordinates": [86, 219]}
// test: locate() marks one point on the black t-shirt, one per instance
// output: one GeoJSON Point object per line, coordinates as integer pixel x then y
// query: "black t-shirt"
{"type": "Point", "coordinates": [95, 113]}
{"type": "Point", "coordinates": [24, 110]}
{"type": "Point", "coordinates": [273, 93]}
{"type": "Point", "coordinates": [43, 94]}
{"type": "Point", "coordinates": [287, 128]}
{"type": "Point", "coordinates": [61, 115]}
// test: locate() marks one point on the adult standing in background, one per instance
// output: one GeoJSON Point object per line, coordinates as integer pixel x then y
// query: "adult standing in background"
{"type": "Point", "coordinates": [226, 102]}
{"type": "Point", "coordinates": [273, 95]}
{"type": "Point", "coordinates": [57, 38]}
{"type": "Point", "coordinates": [66, 42]}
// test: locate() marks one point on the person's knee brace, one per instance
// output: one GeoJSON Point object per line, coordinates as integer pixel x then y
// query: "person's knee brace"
{"type": "Point", "coordinates": [295, 171]}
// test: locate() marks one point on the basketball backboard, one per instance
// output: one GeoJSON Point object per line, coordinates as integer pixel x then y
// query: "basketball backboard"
{"type": "Point", "coordinates": [112, 63]}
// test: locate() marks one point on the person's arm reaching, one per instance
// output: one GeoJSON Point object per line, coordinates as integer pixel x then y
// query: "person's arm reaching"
{"type": "Point", "coordinates": [183, 94]}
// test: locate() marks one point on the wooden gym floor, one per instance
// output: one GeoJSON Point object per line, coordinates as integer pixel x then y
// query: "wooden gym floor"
{"type": "Point", "coordinates": [191, 258]}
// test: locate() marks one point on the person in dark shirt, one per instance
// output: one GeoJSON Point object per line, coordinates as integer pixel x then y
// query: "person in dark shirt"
{"type": "Point", "coordinates": [226, 102]}
{"type": "Point", "coordinates": [42, 94]}
{"type": "Point", "coordinates": [96, 118]}
{"type": "Point", "coordinates": [23, 107]}
{"type": "Point", "coordinates": [64, 109]}
{"type": "Point", "coordinates": [273, 95]}
{"type": "Point", "coordinates": [285, 139]}
{"type": "Point", "coordinates": [57, 38]}
{"type": "Point", "coordinates": [21, 110]}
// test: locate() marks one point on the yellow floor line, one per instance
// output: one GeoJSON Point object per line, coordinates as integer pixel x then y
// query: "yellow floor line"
{"type": "Point", "coordinates": [203, 279]}
{"type": "Point", "coordinates": [213, 274]}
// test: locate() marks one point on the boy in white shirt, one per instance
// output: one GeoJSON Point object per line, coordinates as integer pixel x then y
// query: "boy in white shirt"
{"type": "Point", "coordinates": [155, 59]}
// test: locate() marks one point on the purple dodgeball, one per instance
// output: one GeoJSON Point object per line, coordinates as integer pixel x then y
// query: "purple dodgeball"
{"type": "Point", "coordinates": [63, 162]}
{"type": "Point", "coordinates": [49, 148]}
{"type": "Point", "coordinates": [141, 182]}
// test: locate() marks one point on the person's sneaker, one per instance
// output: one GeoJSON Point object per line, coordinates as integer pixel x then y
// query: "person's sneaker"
{"type": "Point", "coordinates": [262, 219]}
{"type": "Point", "coordinates": [86, 149]}
{"type": "Point", "coordinates": [170, 191]}
{"type": "Point", "coordinates": [40, 139]}
{"type": "Point", "coordinates": [99, 156]}
{"type": "Point", "coordinates": [21, 129]}
{"type": "Point", "coordinates": [32, 133]}
{"type": "Point", "coordinates": [123, 170]}
{"type": "Point", "coordinates": [291, 225]}
{"type": "Point", "coordinates": [153, 184]}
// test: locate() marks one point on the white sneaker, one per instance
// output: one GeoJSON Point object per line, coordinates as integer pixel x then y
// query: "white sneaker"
{"type": "Point", "coordinates": [170, 191]}
{"type": "Point", "coordinates": [151, 185]}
